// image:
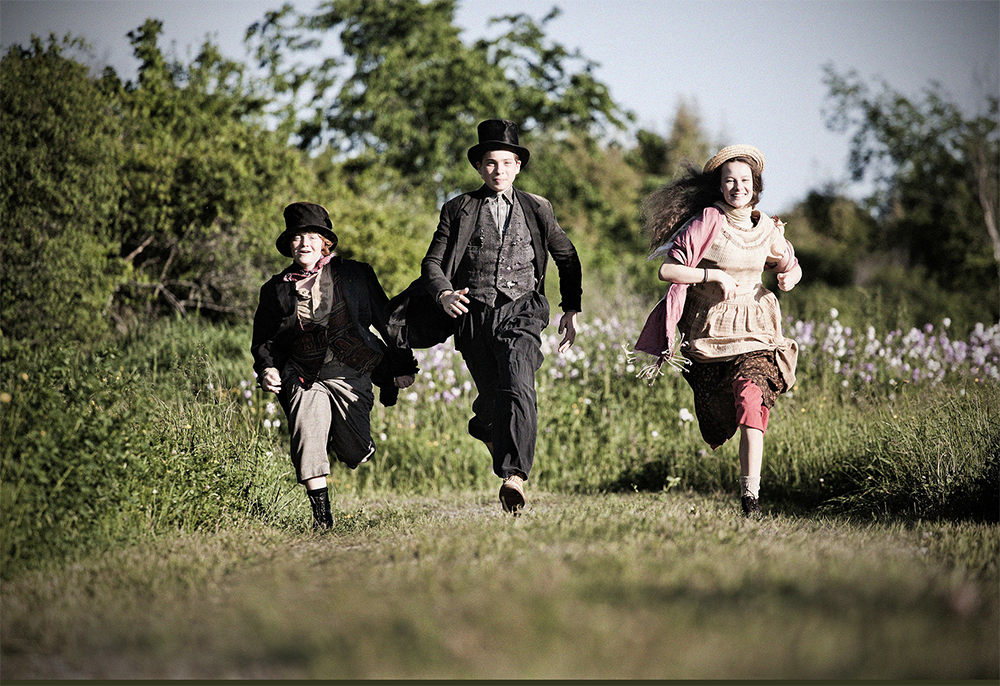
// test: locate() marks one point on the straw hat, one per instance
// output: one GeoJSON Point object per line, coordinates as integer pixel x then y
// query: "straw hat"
{"type": "Point", "coordinates": [728, 153]}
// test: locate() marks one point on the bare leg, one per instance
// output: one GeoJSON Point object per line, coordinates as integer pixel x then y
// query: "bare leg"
{"type": "Point", "coordinates": [751, 451]}
{"type": "Point", "coordinates": [751, 456]}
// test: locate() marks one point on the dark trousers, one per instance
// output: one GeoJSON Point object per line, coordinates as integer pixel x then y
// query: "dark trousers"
{"type": "Point", "coordinates": [502, 349]}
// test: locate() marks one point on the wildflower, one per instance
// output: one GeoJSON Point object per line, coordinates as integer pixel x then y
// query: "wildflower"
{"type": "Point", "coordinates": [267, 423]}
{"type": "Point", "coordinates": [269, 408]}
{"type": "Point", "coordinates": [248, 393]}
{"type": "Point", "coordinates": [834, 313]}
{"type": "Point", "coordinates": [276, 423]}
{"type": "Point", "coordinates": [946, 322]}
{"type": "Point", "coordinates": [686, 415]}
{"type": "Point", "coordinates": [211, 386]}
{"type": "Point", "coordinates": [383, 437]}
{"type": "Point", "coordinates": [5, 398]}
{"type": "Point", "coordinates": [655, 433]}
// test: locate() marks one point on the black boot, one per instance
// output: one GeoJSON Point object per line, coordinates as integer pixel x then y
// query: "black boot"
{"type": "Point", "coordinates": [751, 508]}
{"type": "Point", "coordinates": [320, 501]}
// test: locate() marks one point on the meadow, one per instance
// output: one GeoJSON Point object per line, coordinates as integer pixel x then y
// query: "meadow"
{"type": "Point", "coordinates": [151, 526]}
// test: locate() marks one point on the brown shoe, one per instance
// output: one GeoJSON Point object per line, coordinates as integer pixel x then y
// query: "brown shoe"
{"type": "Point", "coordinates": [512, 494]}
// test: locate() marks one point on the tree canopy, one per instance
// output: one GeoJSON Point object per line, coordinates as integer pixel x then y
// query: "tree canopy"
{"type": "Point", "coordinates": [410, 91]}
{"type": "Point", "coordinates": [60, 155]}
{"type": "Point", "coordinates": [934, 170]}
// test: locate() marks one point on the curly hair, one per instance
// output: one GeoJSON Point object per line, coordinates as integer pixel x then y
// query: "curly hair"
{"type": "Point", "coordinates": [667, 209]}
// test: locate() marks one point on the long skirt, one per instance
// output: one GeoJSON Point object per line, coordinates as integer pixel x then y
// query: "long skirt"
{"type": "Point", "coordinates": [731, 392]}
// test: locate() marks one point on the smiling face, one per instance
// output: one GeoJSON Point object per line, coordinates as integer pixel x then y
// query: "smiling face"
{"type": "Point", "coordinates": [499, 168]}
{"type": "Point", "coordinates": [307, 249]}
{"type": "Point", "coordinates": [736, 183]}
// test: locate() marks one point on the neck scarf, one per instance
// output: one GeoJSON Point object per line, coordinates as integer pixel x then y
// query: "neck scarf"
{"type": "Point", "coordinates": [741, 218]}
{"type": "Point", "coordinates": [298, 272]}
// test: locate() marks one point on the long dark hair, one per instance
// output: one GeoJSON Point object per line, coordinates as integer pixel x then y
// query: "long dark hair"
{"type": "Point", "coordinates": [667, 209]}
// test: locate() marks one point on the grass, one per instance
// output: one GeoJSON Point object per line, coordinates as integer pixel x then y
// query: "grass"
{"type": "Point", "coordinates": [634, 586]}
{"type": "Point", "coordinates": [151, 526]}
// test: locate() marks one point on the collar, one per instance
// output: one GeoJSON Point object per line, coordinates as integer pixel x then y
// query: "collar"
{"type": "Point", "coordinates": [507, 195]}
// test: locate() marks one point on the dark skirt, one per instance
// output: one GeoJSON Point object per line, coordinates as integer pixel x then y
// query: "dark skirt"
{"type": "Point", "coordinates": [714, 399]}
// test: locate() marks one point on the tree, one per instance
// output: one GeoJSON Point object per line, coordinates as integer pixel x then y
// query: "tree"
{"type": "Point", "coordinates": [205, 182]}
{"type": "Point", "coordinates": [411, 91]}
{"type": "Point", "coordinates": [60, 156]}
{"type": "Point", "coordinates": [664, 159]}
{"type": "Point", "coordinates": [935, 174]}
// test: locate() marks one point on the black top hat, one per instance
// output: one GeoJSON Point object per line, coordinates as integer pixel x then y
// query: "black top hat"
{"type": "Point", "coordinates": [497, 134]}
{"type": "Point", "coordinates": [304, 217]}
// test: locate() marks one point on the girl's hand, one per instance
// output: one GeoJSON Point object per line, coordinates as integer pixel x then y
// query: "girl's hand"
{"type": "Point", "coordinates": [787, 280]}
{"type": "Point", "coordinates": [728, 284]}
{"type": "Point", "coordinates": [404, 381]}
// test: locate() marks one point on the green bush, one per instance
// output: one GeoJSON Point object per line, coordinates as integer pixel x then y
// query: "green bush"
{"type": "Point", "coordinates": [94, 453]}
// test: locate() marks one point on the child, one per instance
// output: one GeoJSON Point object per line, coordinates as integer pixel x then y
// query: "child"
{"type": "Point", "coordinates": [715, 245]}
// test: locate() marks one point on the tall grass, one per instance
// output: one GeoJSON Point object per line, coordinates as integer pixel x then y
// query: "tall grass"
{"type": "Point", "coordinates": [167, 432]}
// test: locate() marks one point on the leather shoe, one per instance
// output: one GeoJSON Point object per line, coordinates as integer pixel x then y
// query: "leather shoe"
{"type": "Point", "coordinates": [512, 494]}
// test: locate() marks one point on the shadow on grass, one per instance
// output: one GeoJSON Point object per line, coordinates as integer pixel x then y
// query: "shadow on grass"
{"type": "Point", "coordinates": [838, 493]}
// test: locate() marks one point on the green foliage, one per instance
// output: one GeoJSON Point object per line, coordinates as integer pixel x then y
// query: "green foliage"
{"type": "Point", "coordinates": [166, 431]}
{"type": "Point", "coordinates": [834, 238]}
{"type": "Point", "coordinates": [662, 160]}
{"type": "Point", "coordinates": [892, 297]}
{"type": "Point", "coordinates": [935, 174]}
{"type": "Point", "coordinates": [414, 92]}
{"type": "Point", "coordinates": [98, 449]}
{"type": "Point", "coordinates": [60, 153]}
{"type": "Point", "coordinates": [206, 182]}
{"type": "Point", "coordinates": [925, 455]}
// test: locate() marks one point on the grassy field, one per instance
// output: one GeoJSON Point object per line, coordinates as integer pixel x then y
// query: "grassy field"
{"type": "Point", "coordinates": [635, 586]}
{"type": "Point", "coordinates": [151, 526]}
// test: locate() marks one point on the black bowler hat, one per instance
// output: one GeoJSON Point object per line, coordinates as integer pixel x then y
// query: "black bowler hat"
{"type": "Point", "coordinates": [497, 134]}
{"type": "Point", "coordinates": [305, 217]}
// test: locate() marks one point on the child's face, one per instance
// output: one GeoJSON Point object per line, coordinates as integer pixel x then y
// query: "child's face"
{"type": "Point", "coordinates": [307, 249]}
{"type": "Point", "coordinates": [499, 168]}
{"type": "Point", "coordinates": [737, 183]}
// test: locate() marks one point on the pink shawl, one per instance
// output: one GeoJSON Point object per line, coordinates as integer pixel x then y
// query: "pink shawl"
{"type": "Point", "coordinates": [688, 247]}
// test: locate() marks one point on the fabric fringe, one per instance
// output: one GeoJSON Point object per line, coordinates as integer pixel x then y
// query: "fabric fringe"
{"type": "Point", "coordinates": [653, 370]}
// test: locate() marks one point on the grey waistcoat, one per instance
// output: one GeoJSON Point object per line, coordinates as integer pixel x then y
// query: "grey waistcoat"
{"type": "Point", "coordinates": [491, 265]}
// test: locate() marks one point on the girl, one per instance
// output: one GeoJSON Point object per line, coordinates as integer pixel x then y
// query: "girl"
{"type": "Point", "coordinates": [714, 245]}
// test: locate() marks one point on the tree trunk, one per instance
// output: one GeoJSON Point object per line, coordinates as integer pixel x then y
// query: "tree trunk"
{"type": "Point", "coordinates": [985, 168]}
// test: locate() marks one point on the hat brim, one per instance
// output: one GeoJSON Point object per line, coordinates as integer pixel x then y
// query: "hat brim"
{"type": "Point", "coordinates": [283, 242]}
{"type": "Point", "coordinates": [733, 151]}
{"type": "Point", "coordinates": [477, 151]}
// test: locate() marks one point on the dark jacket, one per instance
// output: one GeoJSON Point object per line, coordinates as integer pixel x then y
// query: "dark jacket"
{"type": "Point", "coordinates": [415, 318]}
{"type": "Point", "coordinates": [275, 323]}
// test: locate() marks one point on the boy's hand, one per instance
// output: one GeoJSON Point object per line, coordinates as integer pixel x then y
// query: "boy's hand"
{"type": "Point", "coordinates": [567, 327]}
{"type": "Point", "coordinates": [454, 302]}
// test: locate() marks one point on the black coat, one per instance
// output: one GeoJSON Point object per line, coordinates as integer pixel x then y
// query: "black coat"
{"type": "Point", "coordinates": [275, 324]}
{"type": "Point", "coordinates": [415, 319]}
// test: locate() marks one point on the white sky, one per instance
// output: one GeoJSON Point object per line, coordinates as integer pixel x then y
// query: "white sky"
{"type": "Point", "coordinates": [759, 84]}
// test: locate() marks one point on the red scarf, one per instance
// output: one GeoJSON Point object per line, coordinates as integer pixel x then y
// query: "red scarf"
{"type": "Point", "coordinates": [302, 273]}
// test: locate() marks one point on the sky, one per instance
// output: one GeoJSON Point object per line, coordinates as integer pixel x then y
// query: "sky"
{"type": "Point", "coordinates": [753, 69]}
